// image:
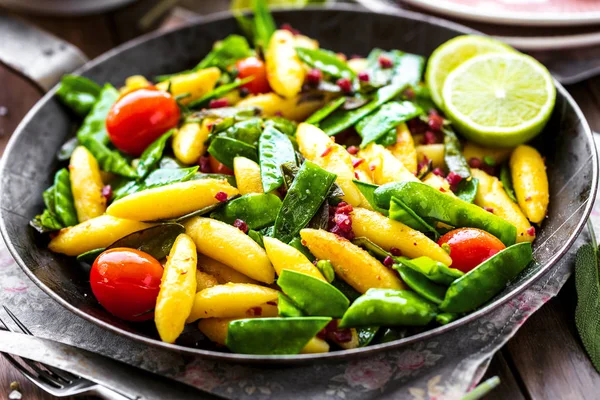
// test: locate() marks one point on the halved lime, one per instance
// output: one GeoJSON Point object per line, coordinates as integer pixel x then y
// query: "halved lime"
{"type": "Point", "coordinates": [451, 54]}
{"type": "Point", "coordinates": [499, 99]}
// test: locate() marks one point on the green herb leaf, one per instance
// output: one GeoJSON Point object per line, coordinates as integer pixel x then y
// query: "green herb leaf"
{"type": "Point", "coordinates": [219, 92]}
{"type": "Point", "coordinates": [156, 241]}
{"type": "Point", "coordinates": [63, 198]}
{"type": "Point", "coordinates": [324, 112]}
{"type": "Point", "coordinates": [225, 149]}
{"type": "Point", "coordinates": [109, 160]}
{"type": "Point", "coordinates": [507, 183]}
{"type": "Point", "coordinates": [79, 93]}
{"type": "Point", "coordinates": [390, 115]}
{"type": "Point", "coordinates": [94, 125]}
{"type": "Point", "coordinates": [587, 313]}
{"type": "Point", "coordinates": [453, 155]}
{"type": "Point", "coordinates": [467, 189]}
{"type": "Point", "coordinates": [326, 61]}
{"type": "Point", "coordinates": [151, 156]}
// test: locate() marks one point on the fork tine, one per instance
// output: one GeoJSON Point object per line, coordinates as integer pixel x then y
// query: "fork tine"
{"type": "Point", "coordinates": [42, 384]}
{"type": "Point", "coordinates": [59, 375]}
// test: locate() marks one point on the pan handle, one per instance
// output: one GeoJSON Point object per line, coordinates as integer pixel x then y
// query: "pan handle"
{"type": "Point", "coordinates": [39, 56]}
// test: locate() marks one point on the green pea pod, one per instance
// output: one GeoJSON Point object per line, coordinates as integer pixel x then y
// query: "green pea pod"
{"type": "Point", "coordinates": [368, 190]}
{"type": "Point", "coordinates": [312, 295]}
{"type": "Point", "coordinates": [201, 175]}
{"type": "Point", "coordinates": [434, 270]}
{"type": "Point", "coordinates": [297, 244]}
{"type": "Point", "coordinates": [64, 205]}
{"type": "Point", "coordinates": [326, 61]}
{"type": "Point", "coordinates": [341, 120]}
{"type": "Point", "coordinates": [94, 124]}
{"type": "Point", "coordinates": [247, 131]}
{"type": "Point", "coordinates": [49, 198]}
{"type": "Point", "coordinates": [366, 335]}
{"type": "Point", "coordinates": [346, 289]}
{"type": "Point", "coordinates": [371, 247]}
{"type": "Point", "coordinates": [90, 256]}
{"type": "Point", "coordinates": [267, 336]}
{"type": "Point", "coordinates": [409, 70]}
{"type": "Point", "coordinates": [376, 125]}
{"type": "Point", "coordinates": [156, 241]}
{"type": "Point", "coordinates": [282, 125]}
{"type": "Point", "coordinates": [152, 155]}
{"type": "Point", "coordinates": [67, 149]}
{"type": "Point", "coordinates": [218, 92]}
{"type": "Point", "coordinates": [401, 212]}
{"type": "Point", "coordinates": [156, 178]}
{"type": "Point", "coordinates": [446, 318]}
{"type": "Point", "coordinates": [326, 269]}
{"type": "Point", "coordinates": [79, 93]}
{"type": "Point", "coordinates": [420, 284]}
{"type": "Point", "coordinates": [428, 202]}
{"type": "Point", "coordinates": [467, 189]}
{"type": "Point", "coordinates": [256, 210]}
{"type": "Point", "coordinates": [225, 149]}
{"type": "Point", "coordinates": [169, 162]}
{"type": "Point", "coordinates": [287, 308]}
{"type": "Point", "coordinates": [45, 222]}
{"type": "Point", "coordinates": [389, 307]}
{"type": "Point", "coordinates": [389, 138]}
{"type": "Point", "coordinates": [482, 283]}
{"type": "Point", "coordinates": [393, 334]}
{"type": "Point", "coordinates": [274, 150]}
{"type": "Point", "coordinates": [406, 68]}
{"type": "Point", "coordinates": [257, 237]}
{"type": "Point", "coordinates": [324, 112]}
{"type": "Point", "coordinates": [109, 160]}
{"type": "Point", "coordinates": [203, 211]}
{"type": "Point", "coordinates": [507, 183]}
{"type": "Point", "coordinates": [453, 156]}
{"type": "Point", "coordinates": [302, 201]}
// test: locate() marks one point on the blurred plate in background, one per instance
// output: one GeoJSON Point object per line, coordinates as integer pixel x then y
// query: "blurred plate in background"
{"type": "Point", "coordinates": [63, 7]}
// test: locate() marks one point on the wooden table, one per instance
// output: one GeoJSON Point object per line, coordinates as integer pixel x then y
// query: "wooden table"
{"type": "Point", "coordinates": [545, 360]}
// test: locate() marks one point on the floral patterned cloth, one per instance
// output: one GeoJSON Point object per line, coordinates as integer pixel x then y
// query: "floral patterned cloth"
{"type": "Point", "coordinates": [426, 370]}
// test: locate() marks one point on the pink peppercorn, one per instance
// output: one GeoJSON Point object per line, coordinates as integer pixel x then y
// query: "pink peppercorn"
{"type": "Point", "coordinates": [344, 208]}
{"type": "Point", "coordinates": [327, 151]}
{"type": "Point", "coordinates": [372, 167]}
{"type": "Point", "coordinates": [453, 179]}
{"type": "Point", "coordinates": [395, 252]}
{"type": "Point", "coordinates": [385, 61]}
{"type": "Point", "coordinates": [221, 196]}
{"type": "Point", "coordinates": [363, 76]}
{"type": "Point", "coordinates": [443, 190]}
{"type": "Point", "coordinates": [218, 103]}
{"type": "Point", "coordinates": [355, 56]}
{"type": "Point", "coordinates": [343, 221]}
{"type": "Point", "coordinates": [357, 161]}
{"type": "Point", "coordinates": [388, 261]}
{"type": "Point", "coordinates": [345, 84]}
{"type": "Point", "coordinates": [475, 162]}
{"type": "Point", "coordinates": [288, 27]}
{"type": "Point", "coordinates": [314, 76]}
{"type": "Point", "coordinates": [204, 163]}
{"type": "Point", "coordinates": [531, 231]}
{"type": "Point", "coordinates": [342, 335]}
{"type": "Point", "coordinates": [489, 209]}
{"type": "Point", "coordinates": [430, 138]}
{"type": "Point", "coordinates": [356, 175]}
{"type": "Point", "coordinates": [352, 150]}
{"type": "Point", "coordinates": [439, 172]}
{"type": "Point", "coordinates": [241, 225]}
{"type": "Point", "coordinates": [435, 121]}
{"type": "Point", "coordinates": [107, 192]}
{"type": "Point", "coordinates": [410, 94]}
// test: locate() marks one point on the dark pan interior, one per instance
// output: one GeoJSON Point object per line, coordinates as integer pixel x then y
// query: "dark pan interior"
{"type": "Point", "coordinates": [29, 162]}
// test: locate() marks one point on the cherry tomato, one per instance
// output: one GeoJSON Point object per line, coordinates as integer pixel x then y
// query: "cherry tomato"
{"type": "Point", "coordinates": [253, 66]}
{"type": "Point", "coordinates": [218, 168]}
{"type": "Point", "coordinates": [139, 118]}
{"type": "Point", "coordinates": [469, 247]}
{"type": "Point", "coordinates": [126, 283]}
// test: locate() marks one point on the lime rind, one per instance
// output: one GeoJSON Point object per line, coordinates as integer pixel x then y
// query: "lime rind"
{"type": "Point", "coordinates": [499, 99]}
{"type": "Point", "coordinates": [451, 54]}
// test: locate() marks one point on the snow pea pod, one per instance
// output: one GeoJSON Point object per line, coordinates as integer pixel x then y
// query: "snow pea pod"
{"type": "Point", "coordinates": [64, 205]}
{"type": "Point", "coordinates": [507, 183]}
{"type": "Point", "coordinates": [467, 189]}
{"type": "Point", "coordinates": [446, 318]}
{"type": "Point", "coordinates": [152, 155]}
{"type": "Point", "coordinates": [225, 149]}
{"type": "Point", "coordinates": [453, 156]}
{"type": "Point", "coordinates": [109, 160]}
{"type": "Point", "coordinates": [45, 222]}
{"type": "Point", "coordinates": [256, 210]}
{"type": "Point", "coordinates": [78, 93]}
{"type": "Point", "coordinates": [282, 125]}
{"type": "Point", "coordinates": [433, 270]}
{"type": "Point", "coordinates": [390, 308]}
{"type": "Point", "coordinates": [257, 237]}
{"type": "Point", "coordinates": [201, 175]}
{"type": "Point", "coordinates": [341, 120]}
{"type": "Point", "coordinates": [368, 190]}
{"type": "Point", "coordinates": [374, 126]}
{"type": "Point", "coordinates": [274, 150]}
{"type": "Point", "coordinates": [325, 60]}
{"type": "Point", "coordinates": [247, 131]}
{"type": "Point", "coordinates": [326, 269]}
{"type": "Point", "coordinates": [324, 112]}
{"type": "Point", "coordinates": [420, 284]}
{"type": "Point", "coordinates": [156, 241]}
{"type": "Point", "coordinates": [287, 308]}
{"type": "Point", "coordinates": [372, 248]}
{"type": "Point", "coordinates": [346, 289]}
{"type": "Point", "coordinates": [366, 335]}
{"type": "Point", "coordinates": [486, 280]}
{"type": "Point", "coordinates": [302, 201]}
{"type": "Point", "coordinates": [285, 335]}
{"type": "Point", "coordinates": [406, 68]}
{"type": "Point", "coordinates": [312, 295]}
{"type": "Point", "coordinates": [218, 92]}
{"type": "Point", "coordinates": [401, 212]}
{"type": "Point", "coordinates": [94, 123]}
{"type": "Point", "coordinates": [428, 202]}
{"type": "Point", "coordinates": [159, 177]}
{"type": "Point", "coordinates": [90, 256]}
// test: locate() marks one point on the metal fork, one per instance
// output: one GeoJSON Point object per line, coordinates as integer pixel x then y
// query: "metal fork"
{"type": "Point", "coordinates": [52, 380]}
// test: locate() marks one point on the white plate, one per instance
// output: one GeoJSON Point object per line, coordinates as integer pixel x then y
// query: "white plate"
{"type": "Point", "coordinates": [517, 12]}
{"type": "Point", "coordinates": [63, 7]}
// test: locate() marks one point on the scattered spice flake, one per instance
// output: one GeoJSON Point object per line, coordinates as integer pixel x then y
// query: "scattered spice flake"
{"type": "Point", "coordinates": [107, 192]}
{"type": "Point", "coordinates": [436, 121]}
{"type": "Point", "coordinates": [345, 84]}
{"type": "Point", "coordinates": [352, 150]}
{"type": "Point", "coordinates": [327, 151]}
{"type": "Point", "coordinates": [372, 166]}
{"type": "Point", "coordinates": [388, 261]}
{"type": "Point", "coordinates": [443, 190]}
{"type": "Point", "coordinates": [453, 179]}
{"type": "Point", "coordinates": [431, 137]}
{"type": "Point", "coordinates": [314, 77]}
{"type": "Point", "coordinates": [288, 27]}
{"type": "Point", "coordinates": [395, 252]}
{"type": "Point", "coordinates": [528, 198]}
{"type": "Point", "coordinates": [344, 208]}
{"type": "Point", "coordinates": [385, 61]}
{"type": "Point", "coordinates": [531, 231]}
{"type": "Point", "coordinates": [438, 171]}
{"type": "Point", "coordinates": [254, 312]}
{"type": "Point", "coordinates": [489, 209]}
{"type": "Point", "coordinates": [241, 225]}
{"type": "Point", "coordinates": [218, 103]}
{"type": "Point", "coordinates": [221, 196]}
{"type": "Point", "coordinates": [410, 94]}
{"type": "Point", "coordinates": [475, 162]}
{"type": "Point", "coordinates": [204, 163]}
{"type": "Point", "coordinates": [357, 161]}
{"type": "Point", "coordinates": [356, 175]}
{"type": "Point", "coordinates": [342, 335]}
{"type": "Point", "coordinates": [363, 76]}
